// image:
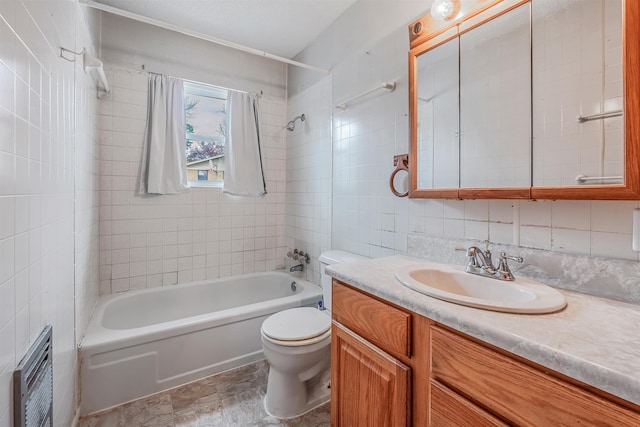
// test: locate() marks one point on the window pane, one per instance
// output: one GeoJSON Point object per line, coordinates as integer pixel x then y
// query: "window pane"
{"type": "Point", "coordinates": [206, 134]}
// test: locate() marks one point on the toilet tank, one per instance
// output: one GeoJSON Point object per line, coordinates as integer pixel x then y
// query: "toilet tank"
{"type": "Point", "coordinates": [334, 257]}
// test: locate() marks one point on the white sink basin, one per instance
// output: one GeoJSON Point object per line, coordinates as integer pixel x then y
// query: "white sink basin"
{"type": "Point", "coordinates": [453, 284]}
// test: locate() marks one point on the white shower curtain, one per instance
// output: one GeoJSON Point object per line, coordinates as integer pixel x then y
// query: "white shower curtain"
{"type": "Point", "coordinates": [243, 172]}
{"type": "Point", "coordinates": [164, 167]}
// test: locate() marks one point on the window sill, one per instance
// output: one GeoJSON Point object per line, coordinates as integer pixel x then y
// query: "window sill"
{"type": "Point", "coordinates": [205, 184]}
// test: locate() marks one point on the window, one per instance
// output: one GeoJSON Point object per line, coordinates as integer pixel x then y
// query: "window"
{"type": "Point", "coordinates": [205, 111]}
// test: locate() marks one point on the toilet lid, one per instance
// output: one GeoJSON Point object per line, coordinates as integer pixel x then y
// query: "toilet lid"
{"type": "Point", "coordinates": [296, 324]}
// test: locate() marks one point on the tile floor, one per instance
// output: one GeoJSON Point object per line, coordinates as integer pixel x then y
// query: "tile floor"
{"type": "Point", "coordinates": [229, 399]}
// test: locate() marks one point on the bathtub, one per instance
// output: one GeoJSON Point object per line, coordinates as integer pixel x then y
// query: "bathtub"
{"type": "Point", "coordinates": [146, 341]}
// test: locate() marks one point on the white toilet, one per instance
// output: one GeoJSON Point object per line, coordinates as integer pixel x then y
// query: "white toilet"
{"type": "Point", "coordinates": [297, 345]}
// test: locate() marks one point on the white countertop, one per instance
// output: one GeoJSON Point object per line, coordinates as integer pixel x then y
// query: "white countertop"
{"type": "Point", "coordinates": [594, 340]}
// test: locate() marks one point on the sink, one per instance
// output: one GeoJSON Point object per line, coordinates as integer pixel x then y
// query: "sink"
{"type": "Point", "coordinates": [452, 284]}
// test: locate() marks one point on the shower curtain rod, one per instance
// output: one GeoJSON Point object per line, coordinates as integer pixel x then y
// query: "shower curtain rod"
{"type": "Point", "coordinates": [196, 34]}
{"type": "Point", "coordinates": [258, 94]}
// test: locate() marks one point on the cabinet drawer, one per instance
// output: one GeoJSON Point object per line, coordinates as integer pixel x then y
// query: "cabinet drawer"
{"type": "Point", "coordinates": [448, 409]}
{"type": "Point", "coordinates": [383, 325]}
{"type": "Point", "coordinates": [516, 391]}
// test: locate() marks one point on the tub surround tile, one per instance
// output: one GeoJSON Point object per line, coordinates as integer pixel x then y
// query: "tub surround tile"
{"type": "Point", "coordinates": [617, 279]}
{"type": "Point", "coordinates": [592, 340]}
{"type": "Point", "coordinates": [231, 398]}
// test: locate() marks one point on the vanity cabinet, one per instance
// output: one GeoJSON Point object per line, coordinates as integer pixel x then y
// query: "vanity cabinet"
{"type": "Point", "coordinates": [375, 380]}
{"type": "Point", "coordinates": [372, 387]}
{"type": "Point", "coordinates": [393, 367]}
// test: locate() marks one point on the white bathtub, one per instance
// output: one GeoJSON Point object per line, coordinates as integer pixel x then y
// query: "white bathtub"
{"type": "Point", "coordinates": [146, 341]}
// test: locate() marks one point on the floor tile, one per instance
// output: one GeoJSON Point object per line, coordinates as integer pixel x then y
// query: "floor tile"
{"type": "Point", "coordinates": [108, 418]}
{"type": "Point", "coordinates": [152, 411]}
{"type": "Point", "coordinates": [229, 399]}
{"type": "Point", "coordinates": [244, 408]}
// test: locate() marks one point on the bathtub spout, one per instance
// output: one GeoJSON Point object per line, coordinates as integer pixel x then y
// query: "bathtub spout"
{"type": "Point", "coordinates": [298, 267]}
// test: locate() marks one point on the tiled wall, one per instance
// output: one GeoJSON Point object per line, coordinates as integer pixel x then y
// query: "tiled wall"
{"type": "Point", "coordinates": [308, 211]}
{"type": "Point", "coordinates": [368, 220]}
{"type": "Point", "coordinates": [47, 112]}
{"type": "Point", "coordinates": [162, 240]}
{"type": "Point", "coordinates": [86, 193]}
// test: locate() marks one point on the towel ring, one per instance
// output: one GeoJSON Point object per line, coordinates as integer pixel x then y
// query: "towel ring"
{"type": "Point", "coordinates": [401, 162]}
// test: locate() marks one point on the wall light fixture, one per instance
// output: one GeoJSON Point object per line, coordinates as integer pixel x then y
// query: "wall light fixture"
{"type": "Point", "coordinates": [443, 10]}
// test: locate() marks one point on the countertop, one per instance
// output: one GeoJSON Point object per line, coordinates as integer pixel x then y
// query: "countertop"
{"type": "Point", "coordinates": [594, 340]}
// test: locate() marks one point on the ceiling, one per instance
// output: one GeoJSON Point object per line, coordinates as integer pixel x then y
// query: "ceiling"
{"type": "Point", "coordinates": [278, 27]}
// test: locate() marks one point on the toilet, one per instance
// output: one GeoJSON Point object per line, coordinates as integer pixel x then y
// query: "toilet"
{"type": "Point", "coordinates": [297, 345]}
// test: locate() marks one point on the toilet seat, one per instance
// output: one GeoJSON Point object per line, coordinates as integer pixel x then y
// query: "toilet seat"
{"type": "Point", "coordinates": [297, 327]}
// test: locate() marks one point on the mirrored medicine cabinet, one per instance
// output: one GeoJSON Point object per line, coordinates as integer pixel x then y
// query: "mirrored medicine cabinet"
{"type": "Point", "coordinates": [531, 99]}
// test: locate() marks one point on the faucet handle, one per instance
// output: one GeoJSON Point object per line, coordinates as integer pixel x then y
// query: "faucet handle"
{"type": "Point", "coordinates": [503, 268]}
{"type": "Point", "coordinates": [472, 253]}
{"type": "Point", "coordinates": [503, 255]}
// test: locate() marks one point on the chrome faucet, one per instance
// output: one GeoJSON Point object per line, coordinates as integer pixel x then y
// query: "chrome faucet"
{"type": "Point", "coordinates": [480, 263]}
{"type": "Point", "coordinates": [298, 267]}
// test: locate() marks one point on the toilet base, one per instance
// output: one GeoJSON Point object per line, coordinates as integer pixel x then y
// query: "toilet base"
{"type": "Point", "coordinates": [310, 395]}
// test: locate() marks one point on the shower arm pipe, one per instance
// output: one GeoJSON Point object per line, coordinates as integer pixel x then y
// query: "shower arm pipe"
{"type": "Point", "coordinates": [197, 34]}
{"type": "Point", "coordinates": [390, 86]}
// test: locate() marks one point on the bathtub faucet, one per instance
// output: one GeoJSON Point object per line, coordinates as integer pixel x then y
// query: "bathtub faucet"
{"type": "Point", "coordinates": [298, 267]}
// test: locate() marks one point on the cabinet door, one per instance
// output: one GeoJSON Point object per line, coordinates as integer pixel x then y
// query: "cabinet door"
{"type": "Point", "coordinates": [448, 409]}
{"type": "Point", "coordinates": [520, 393]}
{"type": "Point", "coordinates": [369, 387]}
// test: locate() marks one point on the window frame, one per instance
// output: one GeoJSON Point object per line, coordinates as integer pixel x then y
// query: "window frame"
{"type": "Point", "coordinates": [209, 91]}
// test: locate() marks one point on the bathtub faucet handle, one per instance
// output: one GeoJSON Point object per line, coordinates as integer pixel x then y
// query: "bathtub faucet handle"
{"type": "Point", "coordinates": [304, 256]}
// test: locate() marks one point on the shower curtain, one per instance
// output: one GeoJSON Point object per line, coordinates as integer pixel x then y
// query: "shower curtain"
{"type": "Point", "coordinates": [243, 171]}
{"type": "Point", "coordinates": [164, 167]}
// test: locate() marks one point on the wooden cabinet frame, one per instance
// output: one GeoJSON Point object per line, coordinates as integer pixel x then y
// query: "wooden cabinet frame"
{"type": "Point", "coordinates": [448, 378]}
{"type": "Point", "coordinates": [426, 33]}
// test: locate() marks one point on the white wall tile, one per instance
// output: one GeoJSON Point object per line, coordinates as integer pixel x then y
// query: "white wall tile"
{"type": "Point", "coordinates": [574, 241]}
{"type": "Point", "coordinates": [571, 214]}
{"type": "Point", "coordinates": [153, 239]}
{"type": "Point", "coordinates": [614, 217]}
{"type": "Point", "coordinates": [535, 237]}
{"type": "Point", "coordinates": [52, 230]}
{"type": "Point", "coordinates": [612, 245]}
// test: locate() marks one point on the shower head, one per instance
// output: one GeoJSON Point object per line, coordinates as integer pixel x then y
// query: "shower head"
{"type": "Point", "coordinates": [292, 124]}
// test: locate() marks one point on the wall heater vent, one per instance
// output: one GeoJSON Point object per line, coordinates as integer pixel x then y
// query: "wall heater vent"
{"type": "Point", "coordinates": [33, 385]}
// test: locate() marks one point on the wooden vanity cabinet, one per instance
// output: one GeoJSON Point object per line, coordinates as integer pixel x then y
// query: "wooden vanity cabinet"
{"type": "Point", "coordinates": [392, 367]}
{"type": "Point", "coordinates": [375, 375]}
{"type": "Point", "coordinates": [371, 387]}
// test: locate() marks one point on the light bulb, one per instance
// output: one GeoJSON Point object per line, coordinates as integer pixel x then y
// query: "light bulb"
{"type": "Point", "coordinates": [442, 9]}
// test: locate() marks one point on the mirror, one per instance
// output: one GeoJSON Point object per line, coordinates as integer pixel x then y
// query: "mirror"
{"type": "Point", "coordinates": [577, 57]}
{"type": "Point", "coordinates": [438, 148]}
{"type": "Point", "coordinates": [495, 102]}
{"type": "Point", "coordinates": [524, 99]}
